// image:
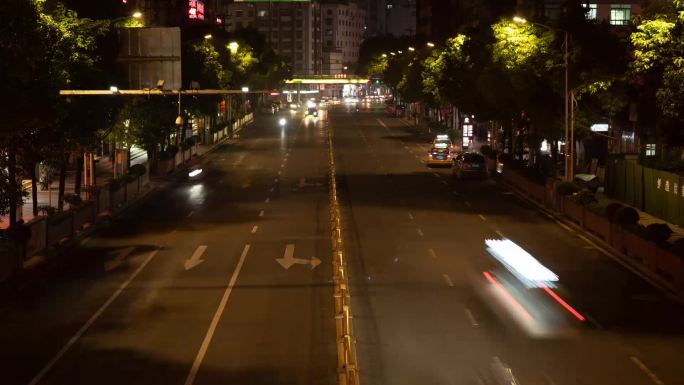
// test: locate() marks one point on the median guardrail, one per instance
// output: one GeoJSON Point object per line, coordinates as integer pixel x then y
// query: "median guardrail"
{"type": "Point", "coordinates": [346, 344]}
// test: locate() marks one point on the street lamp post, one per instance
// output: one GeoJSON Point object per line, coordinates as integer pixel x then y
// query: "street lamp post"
{"type": "Point", "coordinates": [569, 133]}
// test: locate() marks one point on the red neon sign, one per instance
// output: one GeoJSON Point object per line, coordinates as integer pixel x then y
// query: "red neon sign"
{"type": "Point", "coordinates": [195, 9]}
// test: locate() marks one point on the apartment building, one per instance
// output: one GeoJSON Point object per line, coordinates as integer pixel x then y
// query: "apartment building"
{"type": "Point", "coordinates": [617, 13]}
{"type": "Point", "coordinates": [343, 26]}
{"type": "Point", "coordinates": [292, 28]}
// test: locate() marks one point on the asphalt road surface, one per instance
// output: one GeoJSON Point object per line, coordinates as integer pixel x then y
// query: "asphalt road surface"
{"type": "Point", "coordinates": [187, 289]}
{"type": "Point", "coordinates": [226, 279]}
{"type": "Point", "coordinates": [425, 313]}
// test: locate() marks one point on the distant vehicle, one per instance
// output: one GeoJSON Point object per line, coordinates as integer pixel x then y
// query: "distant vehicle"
{"type": "Point", "coordinates": [469, 164]}
{"type": "Point", "coordinates": [442, 138]}
{"type": "Point", "coordinates": [313, 111]}
{"type": "Point", "coordinates": [439, 155]}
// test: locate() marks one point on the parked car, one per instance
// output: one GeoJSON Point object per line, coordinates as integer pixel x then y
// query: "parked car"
{"type": "Point", "coordinates": [469, 164]}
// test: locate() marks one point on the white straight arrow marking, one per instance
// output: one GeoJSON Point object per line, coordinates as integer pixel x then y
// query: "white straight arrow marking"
{"type": "Point", "coordinates": [195, 258]}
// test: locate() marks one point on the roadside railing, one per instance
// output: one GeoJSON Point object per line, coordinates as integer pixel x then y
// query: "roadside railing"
{"type": "Point", "coordinates": [346, 343]}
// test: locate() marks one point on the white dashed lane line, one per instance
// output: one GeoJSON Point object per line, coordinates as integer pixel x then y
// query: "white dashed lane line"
{"type": "Point", "coordinates": [261, 213]}
{"type": "Point", "coordinates": [447, 279]}
{"type": "Point", "coordinates": [410, 215]}
{"type": "Point", "coordinates": [472, 319]}
{"type": "Point", "coordinates": [420, 232]}
{"type": "Point", "coordinates": [432, 253]}
{"type": "Point", "coordinates": [255, 229]}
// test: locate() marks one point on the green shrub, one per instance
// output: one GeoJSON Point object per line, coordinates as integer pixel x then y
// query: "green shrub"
{"type": "Point", "coordinates": [73, 199]}
{"type": "Point", "coordinates": [638, 229]}
{"type": "Point", "coordinates": [612, 209]}
{"type": "Point", "coordinates": [626, 216]}
{"type": "Point", "coordinates": [583, 197]}
{"type": "Point", "coordinates": [658, 232]}
{"type": "Point", "coordinates": [137, 170]}
{"type": "Point", "coordinates": [47, 210]}
{"type": "Point", "coordinates": [678, 247]}
{"type": "Point", "coordinates": [189, 142]}
{"type": "Point", "coordinates": [596, 209]}
{"type": "Point", "coordinates": [566, 188]}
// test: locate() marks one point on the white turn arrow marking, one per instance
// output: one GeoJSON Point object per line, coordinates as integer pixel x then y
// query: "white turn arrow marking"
{"type": "Point", "coordinates": [195, 259]}
{"type": "Point", "coordinates": [118, 260]}
{"type": "Point", "coordinates": [288, 259]}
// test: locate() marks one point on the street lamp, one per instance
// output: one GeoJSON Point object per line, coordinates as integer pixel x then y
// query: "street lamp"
{"type": "Point", "coordinates": [430, 44]}
{"type": "Point", "coordinates": [114, 89]}
{"type": "Point", "coordinates": [411, 49]}
{"type": "Point", "coordinates": [233, 46]}
{"type": "Point", "coordinates": [384, 55]}
{"type": "Point", "coordinates": [400, 51]}
{"type": "Point", "coordinates": [245, 89]}
{"type": "Point", "coordinates": [569, 132]}
{"type": "Point", "coordinates": [137, 15]}
{"type": "Point", "coordinates": [393, 54]}
{"type": "Point", "coordinates": [207, 36]}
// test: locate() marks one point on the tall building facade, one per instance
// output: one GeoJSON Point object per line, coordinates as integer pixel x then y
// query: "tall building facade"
{"type": "Point", "coordinates": [292, 28]}
{"type": "Point", "coordinates": [343, 26]}
{"type": "Point", "coordinates": [400, 17]}
{"type": "Point", "coordinates": [439, 19]}
{"type": "Point", "coordinates": [615, 12]}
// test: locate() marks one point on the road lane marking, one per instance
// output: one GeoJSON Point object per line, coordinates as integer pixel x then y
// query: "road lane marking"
{"type": "Point", "coordinates": [275, 180]}
{"type": "Point", "coordinates": [472, 319]}
{"type": "Point", "coordinates": [482, 217]}
{"type": "Point", "coordinates": [500, 233]}
{"type": "Point", "coordinates": [261, 213]}
{"type": "Point", "coordinates": [432, 253]}
{"type": "Point", "coordinates": [455, 193]}
{"type": "Point", "coordinates": [646, 370]}
{"type": "Point", "coordinates": [190, 213]}
{"type": "Point", "coordinates": [410, 215]}
{"type": "Point", "coordinates": [214, 322]}
{"type": "Point", "coordinates": [280, 172]}
{"type": "Point", "coordinates": [420, 232]}
{"type": "Point", "coordinates": [282, 165]}
{"type": "Point", "coordinates": [246, 185]}
{"type": "Point", "coordinates": [196, 258]}
{"type": "Point", "coordinates": [445, 182]}
{"type": "Point", "coordinates": [468, 204]}
{"type": "Point", "coordinates": [593, 321]}
{"type": "Point", "coordinates": [267, 200]}
{"type": "Point", "coordinates": [435, 174]}
{"type": "Point", "coordinates": [39, 377]}
{"type": "Point", "coordinates": [448, 280]}
{"type": "Point", "coordinates": [561, 224]}
{"type": "Point", "coordinates": [272, 188]}
{"type": "Point", "coordinates": [255, 229]}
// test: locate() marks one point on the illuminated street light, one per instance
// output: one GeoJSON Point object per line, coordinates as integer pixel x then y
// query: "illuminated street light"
{"type": "Point", "coordinates": [207, 36]}
{"type": "Point", "coordinates": [411, 49]}
{"type": "Point", "coordinates": [400, 51]}
{"type": "Point", "coordinates": [114, 89]}
{"type": "Point", "coordinates": [430, 44]}
{"type": "Point", "coordinates": [233, 46]}
{"type": "Point", "coordinates": [245, 89]}
{"type": "Point", "coordinates": [519, 19]}
{"type": "Point", "coordinates": [137, 15]}
{"type": "Point", "coordinates": [392, 53]}
{"type": "Point", "coordinates": [384, 55]}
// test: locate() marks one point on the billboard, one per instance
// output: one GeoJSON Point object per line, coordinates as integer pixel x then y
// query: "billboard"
{"type": "Point", "coordinates": [149, 55]}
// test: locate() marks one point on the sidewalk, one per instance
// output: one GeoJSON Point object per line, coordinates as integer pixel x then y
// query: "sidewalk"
{"type": "Point", "coordinates": [103, 174]}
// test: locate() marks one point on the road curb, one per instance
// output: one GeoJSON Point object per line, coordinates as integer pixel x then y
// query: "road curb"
{"type": "Point", "coordinates": [603, 246]}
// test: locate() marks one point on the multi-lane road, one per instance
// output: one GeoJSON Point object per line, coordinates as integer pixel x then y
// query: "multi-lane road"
{"type": "Point", "coordinates": [227, 279]}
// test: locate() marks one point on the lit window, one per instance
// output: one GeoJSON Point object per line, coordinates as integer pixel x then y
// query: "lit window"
{"type": "Point", "coordinates": [620, 14]}
{"type": "Point", "coordinates": [650, 149]}
{"type": "Point", "coordinates": [261, 13]}
{"type": "Point", "coordinates": [590, 10]}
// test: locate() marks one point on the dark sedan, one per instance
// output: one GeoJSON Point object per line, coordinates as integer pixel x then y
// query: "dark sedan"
{"type": "Point", "coordinates": [469, 164]}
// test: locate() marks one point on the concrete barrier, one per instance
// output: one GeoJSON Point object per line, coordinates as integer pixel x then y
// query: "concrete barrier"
{"type": "Point", "coordinates": [84, 216]}
{"type": "Point", "coordinates": [59, 231]}
{"type": "Point", "coordinates": [36, 243]}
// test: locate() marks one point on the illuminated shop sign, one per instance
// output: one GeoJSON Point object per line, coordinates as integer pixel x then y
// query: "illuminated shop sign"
{"type": "Point", "coordinates": [195, 10]}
